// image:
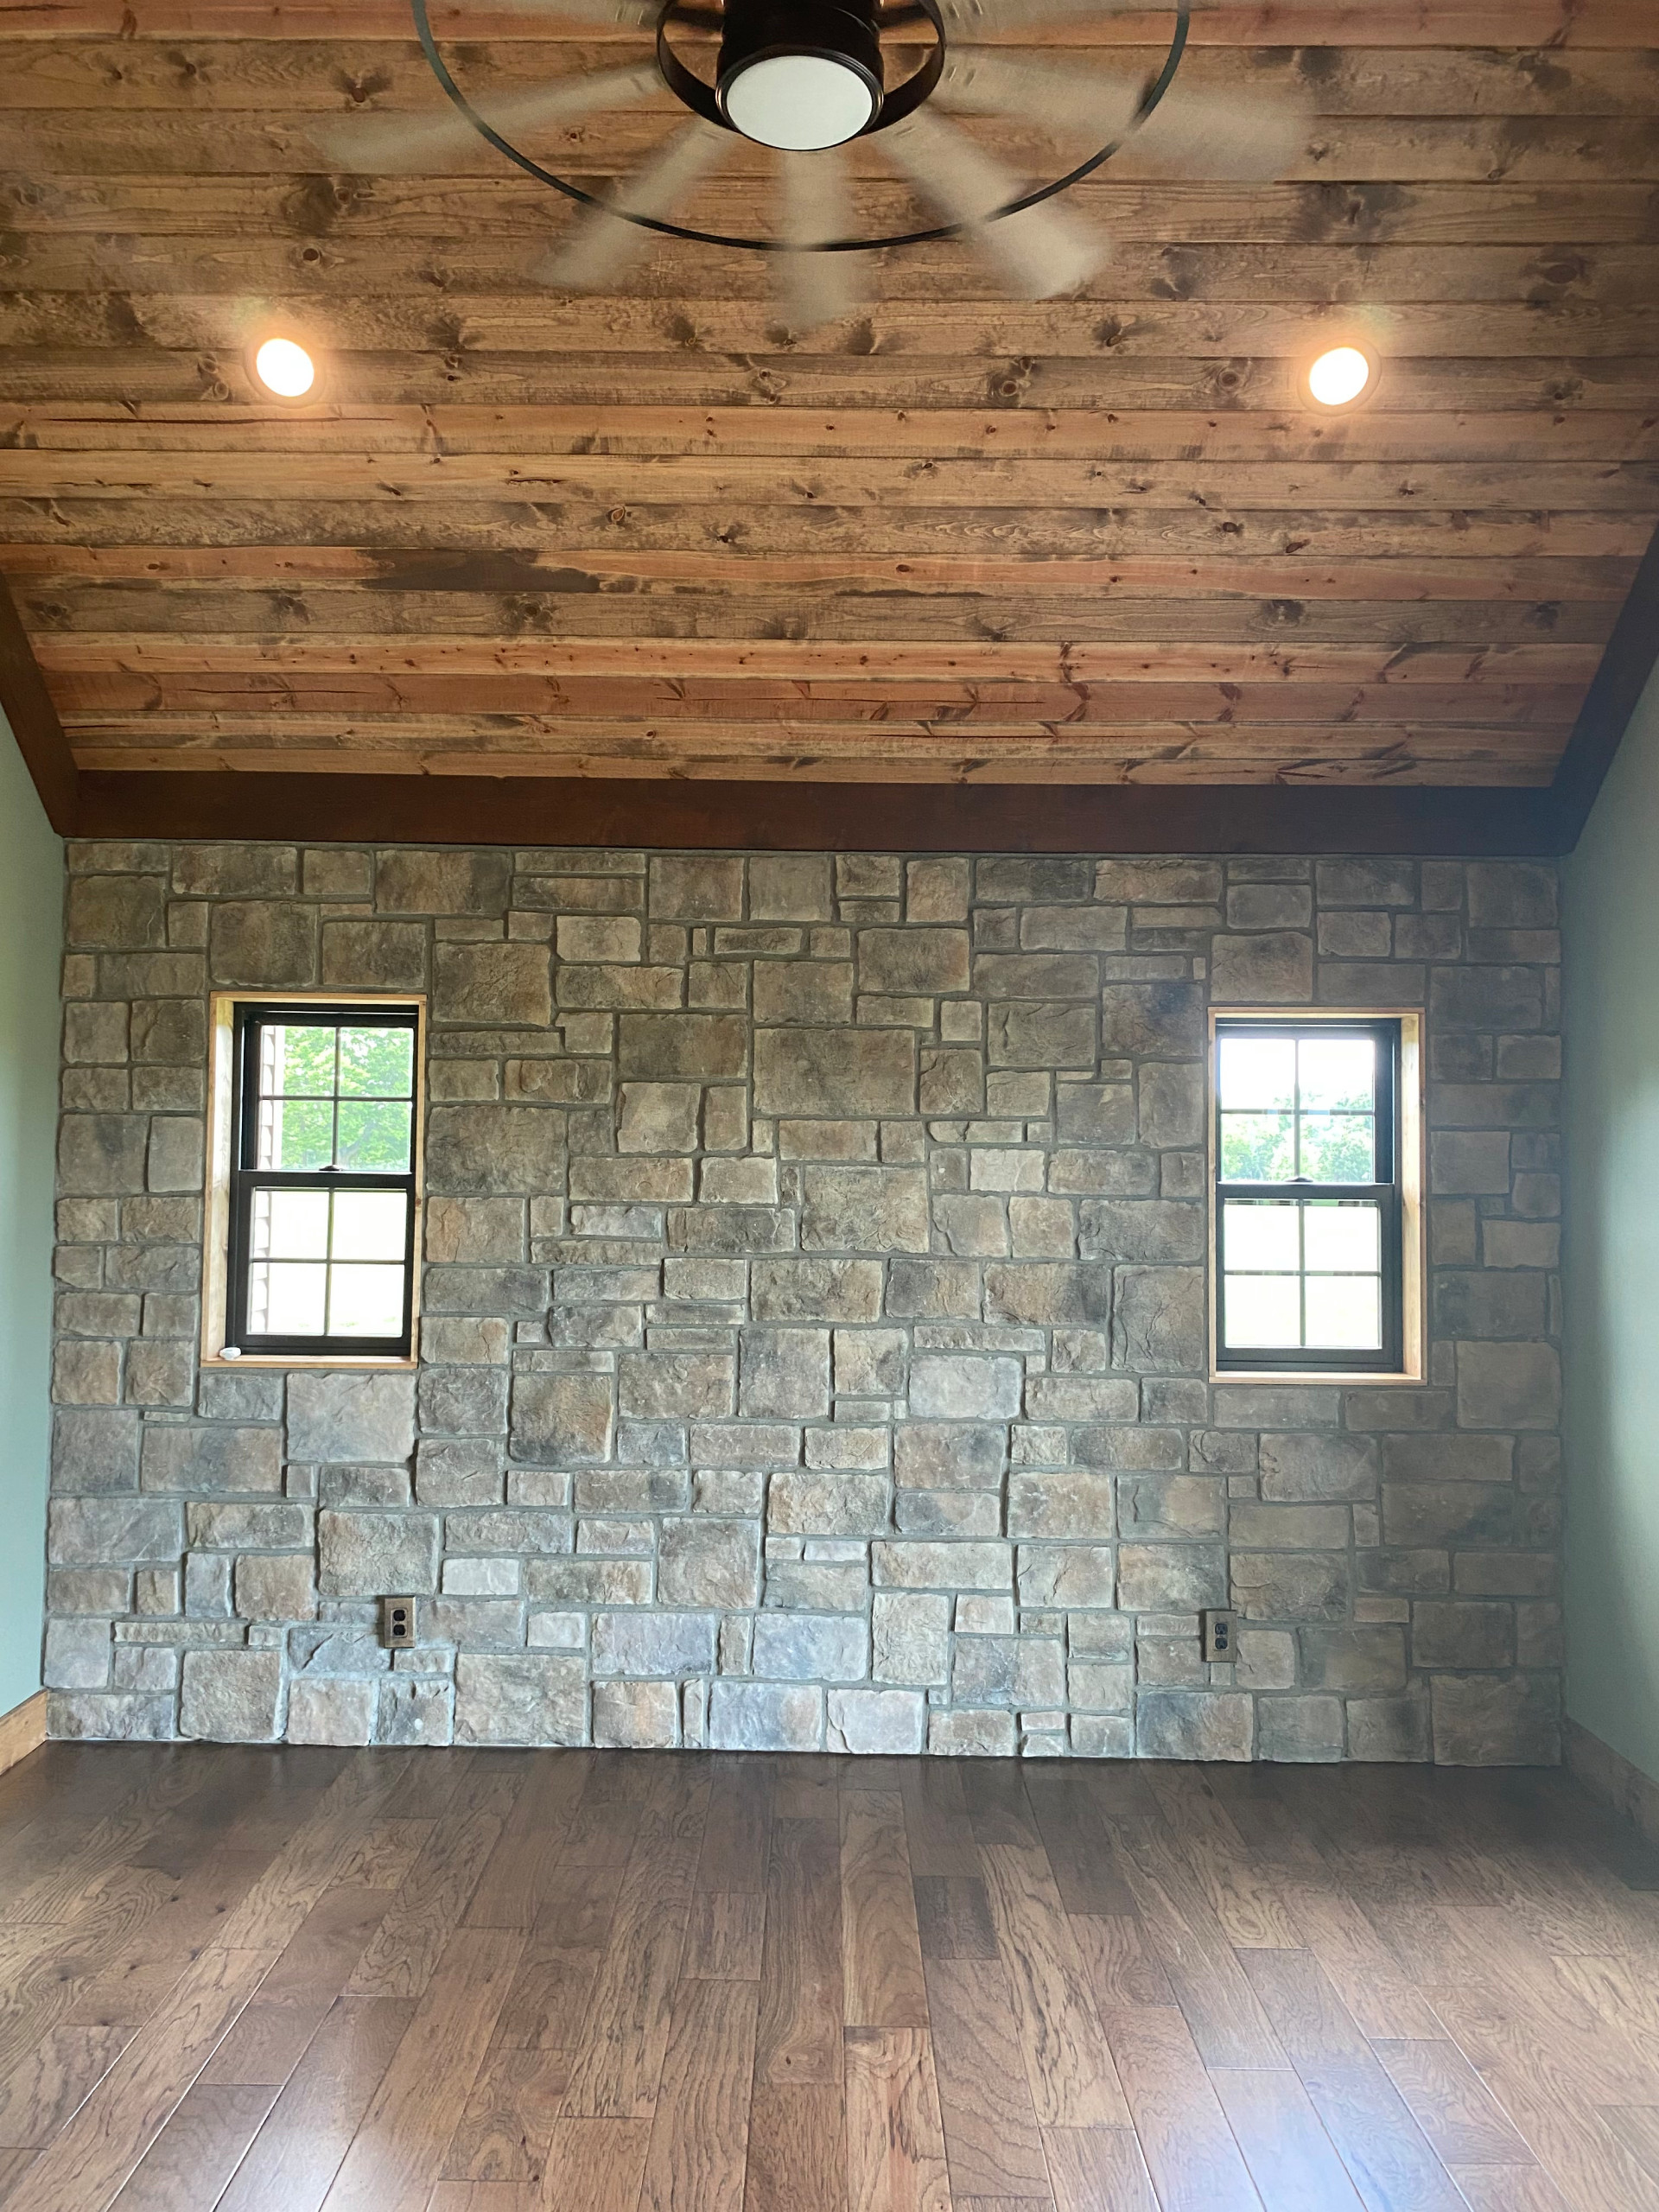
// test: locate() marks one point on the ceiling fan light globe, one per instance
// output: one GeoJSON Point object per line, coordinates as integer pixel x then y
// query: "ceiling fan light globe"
{"type": "Point", "coordinates": [799, 102]}
{"type": "Point", "coordinates": [1339, 376]}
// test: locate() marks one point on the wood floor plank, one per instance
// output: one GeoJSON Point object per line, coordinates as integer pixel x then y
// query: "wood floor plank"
{"type": "Point", "coordinates": [699, 2138]}
{"type": "Point", "coordinates": [953, 1916]}
{"type": "Point", "coordinates": [1097, 2170]}
{"type": "Point", "coordinates": [736, 1836]}
{"type": "Point", "coordinates": [298, 2151]}
{"type": "Point", "coordinates": [1122, 1966]}
{"type": "Point", "coordinates": [1510, 2189]}
{"type": "Point", "coordinates": [414, 1930]}
{"type": "Point", "coordinates": [1067, 2063]}
{"type": "Point", "coordinates": [1292, 2160]}
{"type": "Point", "coordinates": [87, 2163]}
{"type": "Point", "coordinates": [935, 1820]}
{"type": "Point", "coordinates": [797, 2148]}
{"type": "Point", "coordinates": [198, 2151]}
{"type": "Point", "coordinates": [895, 2137]}
{"type": "Point", "coordinates": [1365, 1972]}
{"type": "Point", "coordinates": [882, 1983]}
{"type": "Point", "coordinates": [406, 2130]}
{"type": "Point", "coordinates": [265, 2045]}
{"type": "Point", "coordinates": [799, 2034]}
{"type": "Point", "coordinates": [1082, 1859]}
{"type": "Point", "coordinates": [511, 1889]}
{"type": "Point", "coordinates": [1450, 2103]}
{"type": "Point", "coordinates": [1384, 2151]}
{"type": "Point", "coordinates": [621, 2042]}
{"type": "Point", "coordinates": [724, 1935]}
{"type": "Point", "coordinates": [596, 2164]}
{"type": "Point", "coordinates": [1189, 2147]}
{"type": "Point", "coordinates": [992, 2144]}
{"type": "Point", "coordinates": [1243, 1898]}
{"type": "Point", "coordinates": [48, 2082]}
{"type": "Point", "coordinates": [509, 2116]}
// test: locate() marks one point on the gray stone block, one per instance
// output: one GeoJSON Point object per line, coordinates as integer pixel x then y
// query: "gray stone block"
{"type": "Point", "coordinates": [865, 1209]}
{"type": "Point", "coordinates": [1049, 1295]}
{"type": "Point", "coordinates": [811, 1648]}
{"type": "Point", "coordinates": [194, 1458]}
{"type": "Point", "coordinates": [93, 1450]}
{"type": "Point", "coordinates": [1066, 1574]}
{"type": "Point", "coordinates": [872, 1721]}
{"type": "Point", "coordinates": [1509, 1386]}
{"type": "Point", "coordinates": [1171, 1578]}
{"type": "Point", "coordinates": [1194, 1725]}
{"type": "Point", "coordinates": [1495, 1720]}
{"type": "Point", "coordinates": [964, 1386]}
{"type": "Point", "coordinates": [784, 1372]}
{"type": "Point", "coordinates": [232, 1697]}
{"type": "Point", "coordinates": [636, 1716]}
{"type": "Point", "coordinates": [101, 1153]}
{"type": "Point", "coordinates": [1292, 1585]}
{"type": "Point", "coordinates": [263, 944]}
{"type": "Point", "coordinates": [1299, 1728]}
{"type": "Point", "coordinates": [351, 1415]}
{"type": "Point", "coordinates": [562, 1418]}
{"type": "Point", "coordinates": [1041, 1034]}
{"type": "Point", "coordinates": [828, 1503]}
{"type": "Point", "coordinates": [1158, 1322]}
{"type": "Point", "coordinates": [707, 1562]}
{"type": "Point", "coordinates": [132, 1531]}
{"type": "Point", "coordinates": [519, 1698]}
{"type": "Point", "coordinates": [493, 982]}
{"type": "Point", "coordinates": [377, 1555]}
{"type": "Point", "coordinates": [1318, 1467]}
{"type": "Point", "coordinates": [764, 1717]}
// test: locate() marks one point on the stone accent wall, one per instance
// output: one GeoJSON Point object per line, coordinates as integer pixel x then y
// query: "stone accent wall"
{"type": "Point", "coordinates": [814, 1340]}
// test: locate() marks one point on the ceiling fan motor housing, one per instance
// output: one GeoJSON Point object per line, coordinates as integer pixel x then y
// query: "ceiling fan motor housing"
{"type": "Point", "coordinates": [800, 74]}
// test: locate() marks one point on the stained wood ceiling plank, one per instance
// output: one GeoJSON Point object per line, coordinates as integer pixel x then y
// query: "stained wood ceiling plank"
{"type": "Point", "coordinates": [481, 545]}
{"type": "Point", "coordinates": [1183, 212]}
{"type": "Point", "coordinates": [279, 689]}
{"type": "Point", "coordinates": [904, 661]}
{"type": "Point", "coordinates": [112, 136]}
{"type": "Point", "coordinates": [1527, 24]}
{"type": "Point", "coordinates": [1469, 624]}
{"type": "Point", "coordinates": [1294, 435]}
{"type": "Point", "coordinates": [150, 72]}
{"type": "Point", "coordinates": [1097, 330]}
{"type": "Point", "coordinates": [1006, 378]}
{"type": "Point", "coordinates": [1017, 480]}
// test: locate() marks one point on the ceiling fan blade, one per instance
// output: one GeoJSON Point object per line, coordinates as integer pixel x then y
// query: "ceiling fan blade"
{"type": "Point", "coordinates": [988, 83]}
{"type": "Point", "coordinates": [1220, 135]}
{"type": "Point", "coordinates": [1037, 253]}
{"type": "Point", "coordinates": [600, 245]}
{"type": "Point", "coordinates": [817, 287]}
{"type": "Point", "coordinates": [377, 142]}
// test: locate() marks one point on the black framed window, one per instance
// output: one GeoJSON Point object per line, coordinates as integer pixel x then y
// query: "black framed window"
{"type": "Point", "coordinates": [322, 1194]}
{"type": "Point", "coordinates": [1309, 1217]}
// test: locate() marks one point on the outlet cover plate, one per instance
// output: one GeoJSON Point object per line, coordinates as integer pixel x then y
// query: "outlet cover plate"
{"type": "Point", "coordinates": [398, 1624]}
{"type": "Point", "coordinates": [1220, 1637]}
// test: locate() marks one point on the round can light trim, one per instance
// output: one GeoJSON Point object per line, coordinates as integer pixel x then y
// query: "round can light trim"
{"type": "Point", "coordinates": [284, 368]}
{"type": "Point", "coordinates": [1341, 376]}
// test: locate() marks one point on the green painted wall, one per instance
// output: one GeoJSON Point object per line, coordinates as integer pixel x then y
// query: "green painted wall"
{"type": "Point", "coordinates": [1611, 995]}
{"type": "Point", "coordinates": [31, 936]}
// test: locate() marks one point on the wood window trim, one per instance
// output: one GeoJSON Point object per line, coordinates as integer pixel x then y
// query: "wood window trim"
{"type": "Point", "coordinates": [221, 1138]}
{"type": "Point", "coordinates": [1413, 1370]}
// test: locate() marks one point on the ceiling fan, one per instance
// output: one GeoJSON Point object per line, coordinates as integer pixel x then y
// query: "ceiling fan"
{"type": "Point", "coordinates": [807, 78]}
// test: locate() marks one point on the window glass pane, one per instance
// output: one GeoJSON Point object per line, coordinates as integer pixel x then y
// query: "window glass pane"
{"type": "Point", "coordinates": [1257, 1072]}
{"type": "Point", "coordinates": [377, 1063]}
{"type": "Point", "coordinates": [1257, 1148]}
{"type": "Point", "coordinates": [374, 1138]}
{"type": "Point", "coordinates": [290, 1225]}
{"type": "Point", "coordinates": [286, 1298]}
{"type": "Point", "coordinates": [1262, 1312]}
{"type": "Point", "coordinates": [1256, 1236]}
{"type": "Point", "coordinates": [370, 1225]}
{"type": "Point", "coordinates": [365, 1302]}
{"type": "Point", "coordinates": [294, 1133]}
{"type": "Point", "coordinates": [1338, 1073]}
{"type": "Point", "coordinates": [1338, 1148]}
{"type": "Point", "coordinates": [1344, 1311]}
{"type": "Point", "coordinates": [1345, 1238]}
{"type": "Point", "coordinates": [300, 1063]}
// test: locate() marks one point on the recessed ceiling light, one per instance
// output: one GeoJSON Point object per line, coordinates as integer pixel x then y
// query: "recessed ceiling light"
{"type": "Point", "coordinates": [285, 368]}
{"type": "Point", "coordinates": [1339, 376]}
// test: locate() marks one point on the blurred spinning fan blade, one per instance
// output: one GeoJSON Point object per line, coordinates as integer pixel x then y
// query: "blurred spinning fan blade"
{"type": "Point", "coordinates": [630, 15]}
{"type": "Point", "coordinates": [599, 244]}
{"type": "Point", "coordinates": [985, 18]}
{"type": "Point", "coordinates": [1246, 138]}
{"type": "Point", "coordinates": [1102, 108]}
{"type": "Point", "coordinates": [817, 287]}
{"type": "Point", "coordinates": [1037, 253]}
{"type": "Point", "coordinates": [380, 143]}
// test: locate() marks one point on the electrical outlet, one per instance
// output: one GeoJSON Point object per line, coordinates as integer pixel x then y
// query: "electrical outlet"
{"type": "Point", "coordinates": [1220, 1637]}
{"type": "Point", "coordinates": [397, 1623]}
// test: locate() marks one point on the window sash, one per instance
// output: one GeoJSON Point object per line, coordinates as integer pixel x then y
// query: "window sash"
{"type": "Point", "coordinates": [1386, 1193]}
{"type": "Point", "coordinates": [247, 1180]}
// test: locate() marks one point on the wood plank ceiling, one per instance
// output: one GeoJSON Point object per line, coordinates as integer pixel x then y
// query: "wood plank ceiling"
{"type": "Point", "coordinates": [953, 539]}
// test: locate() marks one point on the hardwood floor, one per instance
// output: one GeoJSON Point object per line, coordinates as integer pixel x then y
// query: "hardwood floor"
{"type": "Point", "coordinates": [304, 1980]}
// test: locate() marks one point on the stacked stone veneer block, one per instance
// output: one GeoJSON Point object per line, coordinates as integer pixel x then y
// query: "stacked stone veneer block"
{"type": "Point", "coordinates": [814, 1337]}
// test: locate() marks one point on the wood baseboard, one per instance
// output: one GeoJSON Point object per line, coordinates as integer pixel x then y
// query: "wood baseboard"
{"type": "Point", "coordinates": [22, 1730]}
{"type": "Point", "coordinates": [1608, 1775]}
